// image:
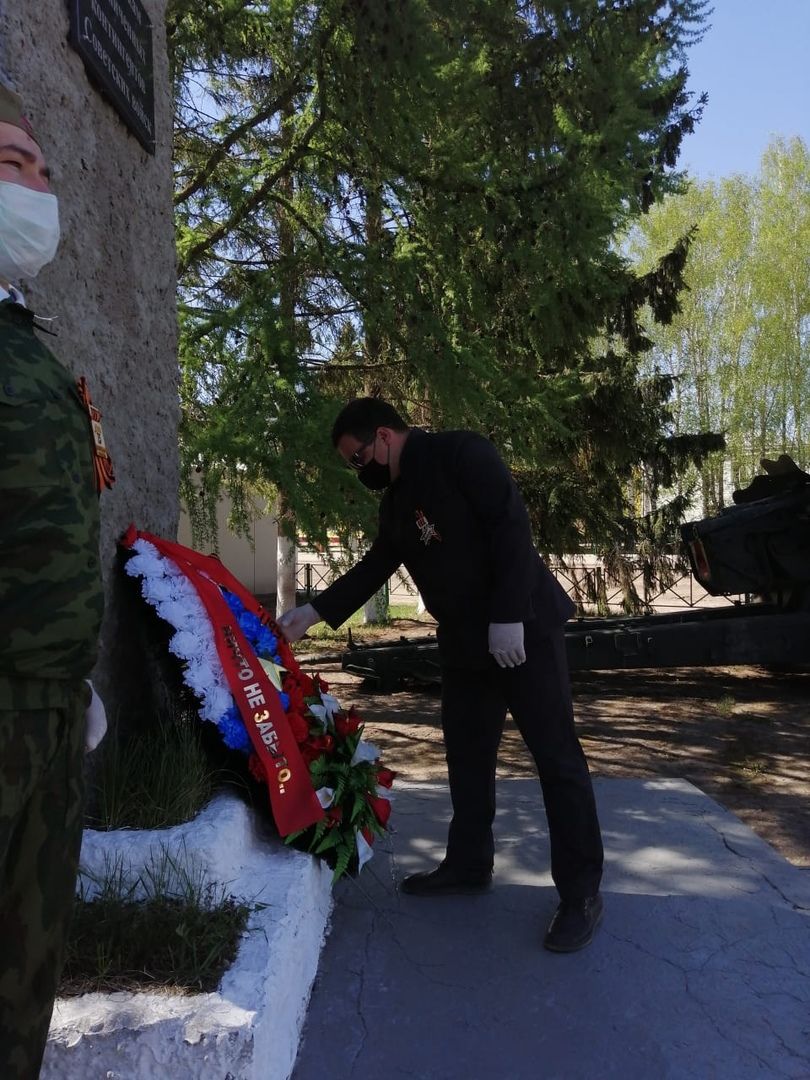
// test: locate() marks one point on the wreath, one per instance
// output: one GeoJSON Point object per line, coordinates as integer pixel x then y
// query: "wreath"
{"type": "Point", "coordinates": [329, 792]}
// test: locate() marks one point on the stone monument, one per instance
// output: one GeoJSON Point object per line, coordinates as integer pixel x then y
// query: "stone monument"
{"type": "Point", "coordinates": [90, 72]}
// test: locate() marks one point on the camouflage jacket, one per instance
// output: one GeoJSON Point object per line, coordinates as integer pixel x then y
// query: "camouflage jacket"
{"type": "Point", "coordinates": [51, 594]}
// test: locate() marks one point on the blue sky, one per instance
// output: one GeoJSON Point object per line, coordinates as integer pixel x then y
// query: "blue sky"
{"type": "Point", "coordinates": [754, 62]}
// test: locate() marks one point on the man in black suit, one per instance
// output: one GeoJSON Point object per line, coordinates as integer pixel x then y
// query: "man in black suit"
{"type": "Point", "coordinates": [452, 513]}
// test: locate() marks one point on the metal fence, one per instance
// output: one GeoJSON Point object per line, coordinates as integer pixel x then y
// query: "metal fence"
{"type": "Point", "coordinates": [312, 578]}
{"type": "Point", "coordinates": [585, 576]}
{"type": "Point", "coordinates": [582, 576]}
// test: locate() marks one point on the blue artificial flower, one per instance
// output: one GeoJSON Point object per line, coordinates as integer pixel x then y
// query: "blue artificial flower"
{"type": "Point", "coordinates": [233, 731]}
{"type": "Point", "coordinates": [260, 637]}
{"type": "Point", "coordinates": [233, 602]}
{"type": "Point", "coordinates": [262, 640]}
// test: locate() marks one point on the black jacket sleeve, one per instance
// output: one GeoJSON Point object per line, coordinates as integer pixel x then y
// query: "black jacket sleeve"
{"type": "Point", "coordinates": [352, 589]}
{"type": "Point", "coordinates": [493, 496]}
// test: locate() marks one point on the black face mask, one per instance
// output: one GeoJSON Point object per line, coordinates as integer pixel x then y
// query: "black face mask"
{"type": "Point", "coordinates": [374, 475]}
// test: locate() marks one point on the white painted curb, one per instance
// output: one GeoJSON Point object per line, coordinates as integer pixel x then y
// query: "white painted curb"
{"type": "Point", "coordinates": [250, 1027]}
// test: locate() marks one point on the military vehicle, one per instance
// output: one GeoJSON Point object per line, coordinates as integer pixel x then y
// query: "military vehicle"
{"type": "Point", "coordinates": [756, 552]}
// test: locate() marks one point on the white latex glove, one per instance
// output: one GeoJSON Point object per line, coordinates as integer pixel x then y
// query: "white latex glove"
{"type": "Point", "coordinates": [506, 643]}
{"type": "Point", "coordinates": [295, 622]}
{"type": "Point", "coordinates": [95, 721]}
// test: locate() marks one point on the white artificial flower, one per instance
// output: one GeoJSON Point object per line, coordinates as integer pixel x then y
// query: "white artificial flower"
{"type": "Point", "coordinates": [157, 589]}
{"type": "Point", "coordinates": [184, 615]}
{"type": "Point", "coordinates": [207, 651]}
{"type": "Point", "coordinates": [365, 751]}
{"type": "Point", "coordinates": [144, 564]}
{"type": "Point", "coordinates": [167, 588]}
{"type": "Point", "coordinates": [184, 644]}
{"type": "Point", "coordinates": [219, 700]}
{"type": "Point", "coordinates": [364, 850]}
{"type": "Point", "coordinates": [150, 556]}
{"type": "Point", "coordinates": [319, 712]}
{"type": "Point", "coordinates": [330, 704]}
{"type": "Point", "coordinates": [199, 678]}
{"type": "Point", "coordinates": [134, 566]}
{"type": "Point", "coordinates": [184, 589]}
{"type": "Point", "coordinates": [325, 796]}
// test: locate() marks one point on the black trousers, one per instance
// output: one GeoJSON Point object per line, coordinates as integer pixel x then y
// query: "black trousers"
{"type": "Point", "coordinates": [538, 694]}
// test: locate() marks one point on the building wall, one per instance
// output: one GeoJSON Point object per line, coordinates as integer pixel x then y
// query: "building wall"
{"type": "Point", "coordinates": [110, 291]}
{"type": "Point", "coordinates": [253, 559]}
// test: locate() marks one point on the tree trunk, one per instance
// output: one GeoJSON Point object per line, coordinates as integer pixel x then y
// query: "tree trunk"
{"type": "Point", "coordinates": [285, 565]}
{"type": "Point", "coordinates": [375, 610]}
{"type": "Point", "coordinates": [288, 366]}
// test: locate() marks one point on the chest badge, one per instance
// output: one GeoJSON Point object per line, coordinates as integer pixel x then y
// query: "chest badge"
{"type": "Point", "coordinates": [102, 463]}
{"type": "Point", "coordinates": [427, 532]}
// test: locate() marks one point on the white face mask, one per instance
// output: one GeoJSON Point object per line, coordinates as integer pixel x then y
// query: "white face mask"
{"type": "Point", "coordinates": [29, 230]}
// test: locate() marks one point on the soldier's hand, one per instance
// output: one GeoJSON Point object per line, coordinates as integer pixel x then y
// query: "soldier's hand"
{"type": "Point", "coordinates": [506, 643]}
{"type": "Point", "coordinates": [95, 721]}
{"type": "Point", "coordinates": [295, 622]}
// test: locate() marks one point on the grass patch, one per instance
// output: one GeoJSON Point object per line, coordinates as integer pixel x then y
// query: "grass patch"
{"type": "Point", "coordinates": [725, 705]}
{"type": "Point", "coordinates": [749, 764]}
{"type": "Point", "coordinates": [163, 928]}
{"type": "Point", "coordinates": [321, 632]}
{"type": "Point", "coordinates": [152, 779]}
{"type": "Point", "coordinates": [403, 611]}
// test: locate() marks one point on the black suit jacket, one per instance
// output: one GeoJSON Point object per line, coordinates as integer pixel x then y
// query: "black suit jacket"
{"type": "Point", "coordinates": [457, 521]}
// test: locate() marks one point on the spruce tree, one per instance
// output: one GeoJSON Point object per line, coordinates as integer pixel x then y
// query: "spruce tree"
{"type": "Point", "coordinates": [440, 185]}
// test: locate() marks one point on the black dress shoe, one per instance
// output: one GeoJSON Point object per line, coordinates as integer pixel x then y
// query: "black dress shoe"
{"type": "Point", "coordinates": [574, 924]}
{"type": "Point", "coordinates": [446, 881]}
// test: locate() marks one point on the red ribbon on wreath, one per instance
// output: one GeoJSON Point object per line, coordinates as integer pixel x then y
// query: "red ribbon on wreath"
{"type": "Point", "coordinates": [292, 798]}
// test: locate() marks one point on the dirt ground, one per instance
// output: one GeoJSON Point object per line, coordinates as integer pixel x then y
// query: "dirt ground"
{"type": "Point", "coordinates": [742, 735]}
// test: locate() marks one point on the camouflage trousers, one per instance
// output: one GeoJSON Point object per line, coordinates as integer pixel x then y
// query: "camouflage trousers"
{"type": "Point", "coordinates": [41, 810]}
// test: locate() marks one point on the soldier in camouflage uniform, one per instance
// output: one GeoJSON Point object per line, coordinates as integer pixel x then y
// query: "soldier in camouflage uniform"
{"type": "Point", "coordinates": [51, 602]}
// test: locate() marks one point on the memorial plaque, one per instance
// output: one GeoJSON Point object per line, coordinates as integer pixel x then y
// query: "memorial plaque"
{"type": "Point", "coordinates": [114, 39]}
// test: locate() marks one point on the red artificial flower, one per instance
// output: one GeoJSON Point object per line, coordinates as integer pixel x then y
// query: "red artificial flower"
{"type": "Point", "coordinates": [367, 835]}
{"type": "Point", "coordinates": [285, 652]}
{"type": "Point", "coordinates": [293, 692]}
{"type": "Point", "coordinates": [381, 808]}
{"type": "Point", "coordinates": [323, 685]}
{"type": "Point", "coordinates": [256, 768]}
{"type": "Point", "coordinates": [298, 726]}
{"type": "Point", "coordinates": [385, 777]}
{"type": "Point", "coordinates": [309, 752]}
{"type": "Point", "coordinates": [346, 724]}
{"type": "Point", "coordinates": [334, 815]}
{"type": "Point", "coordinates": [307, 685]}
{"type": "Point", "coordinates": [317, 747]}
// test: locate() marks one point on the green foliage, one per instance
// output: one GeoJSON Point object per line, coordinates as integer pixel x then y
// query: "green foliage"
{"type": "Point", "coordinates": [354, 788]}
{"type": "Point", "coordinates": [152, 779]}
{"type": "Point", "coordinates": [322, 632]}
{"type": "Point", "coordinates": [162, 928]}
{"type": "Point", "coordinates": [420, 198]}
{"type": "Point", "coordinates": [738, 353]}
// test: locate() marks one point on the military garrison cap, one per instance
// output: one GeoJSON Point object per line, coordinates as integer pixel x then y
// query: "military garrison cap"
{"type": "Point", "coordinates": [11, 111]}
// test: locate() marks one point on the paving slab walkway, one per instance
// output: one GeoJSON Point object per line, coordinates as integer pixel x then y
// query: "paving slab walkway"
{"type": "Point", "coordinates": [701, 968]}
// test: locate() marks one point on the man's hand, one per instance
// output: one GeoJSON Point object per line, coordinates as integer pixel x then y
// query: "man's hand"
{"type": "Point", "coordinates": [506, 643]}
{"type": "Point", "coordinates": [295, 622]}
{"type": "Point", "coordinates": [95, 721]}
